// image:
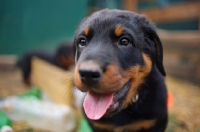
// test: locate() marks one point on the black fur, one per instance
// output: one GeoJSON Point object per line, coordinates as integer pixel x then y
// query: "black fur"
{"type": "Point", "coordinates": [105, 48]}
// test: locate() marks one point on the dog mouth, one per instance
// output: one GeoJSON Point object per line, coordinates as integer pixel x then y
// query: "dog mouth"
{"type": "Point", "coordinates": [97, 105]}
{"type": "Point", "coordinates": [119, 95]}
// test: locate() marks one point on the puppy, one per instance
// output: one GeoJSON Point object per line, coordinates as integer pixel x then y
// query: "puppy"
{"type": "Point", "coordinates": [63, 58]}
{"type": "Point", "coordinates": [119, 63]}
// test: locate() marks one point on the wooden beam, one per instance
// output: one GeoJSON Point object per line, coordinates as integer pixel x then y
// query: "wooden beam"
{"type": "Point", "coordinates": [178, 12]}
{"type": "Point", "coordinates": [199, 23]}
{"type": "Point", "coordinates": [187, 41]}
{"type": "Point", "coordinates": [182, 36]}
{"type": "Point", "coordinates": [54, 81]}
{"type": "Point", "coordinates": [130, 5]}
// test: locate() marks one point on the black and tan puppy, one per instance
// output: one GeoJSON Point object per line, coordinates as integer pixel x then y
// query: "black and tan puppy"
{"type": "Point", "coordinates": [119, 64]}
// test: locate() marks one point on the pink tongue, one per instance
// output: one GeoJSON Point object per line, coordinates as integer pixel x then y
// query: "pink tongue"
{"type": "Point", "coordinates": [95, 105]}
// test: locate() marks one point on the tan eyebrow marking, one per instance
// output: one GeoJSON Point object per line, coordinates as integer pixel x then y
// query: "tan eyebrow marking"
{"type": "Point", "coordinates": [118, 30]}
{"type": "Point", "coordinates": [86, 31]}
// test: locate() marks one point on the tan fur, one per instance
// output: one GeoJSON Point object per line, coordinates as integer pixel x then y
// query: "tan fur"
{"type": "Point", "coordinates": [104, 126]}
{"type": "Point", "coordinates": [77, 80]}
{"type": "Point", "coordinates": [142, 124]}
{"type": "Point", "coordinates": [137, 74]}
{"type": "Point", "coordinates": [118, 30]}
{"type": "Point", "coordinates": [86, 31]}
{"type": "Point", "coordinates": [111, 81]}
{"type": "Point", "coordinates": [114, 79]}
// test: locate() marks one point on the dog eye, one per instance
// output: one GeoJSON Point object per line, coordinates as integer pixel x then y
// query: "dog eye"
{"type": "Point", "coordinates": [124, 41]}
{"type": "Point", "coordinates": [82, 42]}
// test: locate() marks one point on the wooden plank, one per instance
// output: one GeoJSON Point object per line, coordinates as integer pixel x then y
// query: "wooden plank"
{"type": "Point", "coordinates": [8, 62]}
{"type": "Point", "coordinates": [186, 38]}
{"type": "Point", "coordinates": [199, 23]}
{"type": "Point", "coordinates": [181, 54]}
{"type": "Point", "coordinates": [177, 12]}
{"type": "Point", "coordinates": [130, 5]}
{"type": "Point", "coordinates": [54, 81]}
{"type": "Point", "coordinates": [183, 66]}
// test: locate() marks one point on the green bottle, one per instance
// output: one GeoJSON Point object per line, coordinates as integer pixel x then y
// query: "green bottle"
{"type": "Point", "coordinates": [4, 120]}
{"type": "Point", "coordinates": [34, 91]}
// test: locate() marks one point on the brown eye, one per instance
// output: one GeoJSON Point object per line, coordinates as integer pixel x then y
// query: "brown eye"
{"type": "Point", "coordinates": [82, 42]}
{"type": "Point", "coordinates": [124, 41]}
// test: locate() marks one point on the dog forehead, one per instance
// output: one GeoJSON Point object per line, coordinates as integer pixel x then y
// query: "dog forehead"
{"type": "Point", "coordinates": [107, 18]}
{"type": "Point", "coordinates": [110, 14]}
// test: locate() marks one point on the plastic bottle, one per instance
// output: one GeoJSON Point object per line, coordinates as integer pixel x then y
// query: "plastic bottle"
{"type": "Point", "coordinates": [6, 129]}
{"type": "Point", "coordinates": [4, 120]}
{"type": "Point", "coordinates": [39, 114]}
{"type": "Point", "coordinates": [33, 91]}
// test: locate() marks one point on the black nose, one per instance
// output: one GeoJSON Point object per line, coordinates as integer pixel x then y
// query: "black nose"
{"type": "Point", "coordinates": [90, 73]}
{"type": "Point", "coordinates": [89, 76]}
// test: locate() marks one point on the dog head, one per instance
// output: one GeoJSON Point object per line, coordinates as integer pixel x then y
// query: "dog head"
{"type": "Point", "coordinates": [115, 50]}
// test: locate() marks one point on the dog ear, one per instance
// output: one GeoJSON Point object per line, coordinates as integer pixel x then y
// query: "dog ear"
{"type": "Point", "coordinates": [149, 29]}
{"type": "Point", "coordinates": [158, 46]}
{"type": "Point", "coordinates": [159, 53]}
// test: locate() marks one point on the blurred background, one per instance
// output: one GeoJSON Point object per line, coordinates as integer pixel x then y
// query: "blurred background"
{"type": "Point", "coordinates": [31, 26]}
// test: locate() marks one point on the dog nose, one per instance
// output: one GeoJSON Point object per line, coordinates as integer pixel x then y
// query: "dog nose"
{"type": "Point", "coordinates": [89, 76]}
{"type": "Point", "coordinates": [90, 72]}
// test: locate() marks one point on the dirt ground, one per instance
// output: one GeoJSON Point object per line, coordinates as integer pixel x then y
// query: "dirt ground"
{"type": "Point", "coordinates": [184, 115]}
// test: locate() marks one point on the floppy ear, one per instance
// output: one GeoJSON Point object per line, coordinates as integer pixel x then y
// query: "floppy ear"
{"type": "Point", "coordinates": [159, 49]}
{"type": "Point", "coordinates": [159, 53]}
{"type": "Point", "coordinates": [149, 30]}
